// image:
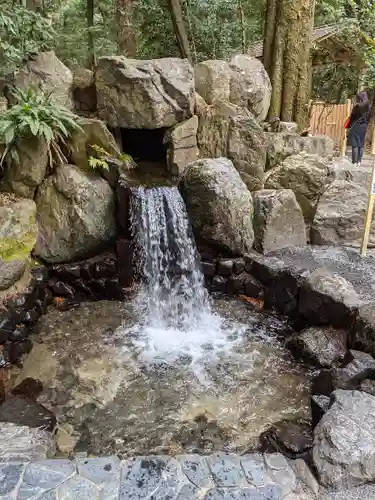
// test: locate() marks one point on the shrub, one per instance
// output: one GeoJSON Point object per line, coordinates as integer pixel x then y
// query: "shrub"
{"type": "Point", "coordinates": [34, 114]}
{"type": "Point", "coordinates": [22, 34]}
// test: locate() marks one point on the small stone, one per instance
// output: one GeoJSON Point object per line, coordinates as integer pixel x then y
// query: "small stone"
{"type": "Point", "coordinates": [236, 284]}
{"type": "Point", "coordinates": [238, 265]}
{"type": "Point", "coordinates": [225, 267]}
{"type": "Point", "coordinates": [7, 326]}
{"type": "Point", "coordinates": [20, 333]}
{"type": "Point", "coordinates": [208, 269]}
{"type": "Point", "coordinates": [62, 289]}
{"type": "Point", "coordinates": [290, 438]}
{"type": "Point", "coordinates": [321, 345]}
{"type": "Point", "coordinates": [253, 288]}
{"type": "Point", "coordinates": [66, 438]}
{"type": "Point", "coordinates": [219, 284]}
{"type": "Point", "coordinates": [11, 272]}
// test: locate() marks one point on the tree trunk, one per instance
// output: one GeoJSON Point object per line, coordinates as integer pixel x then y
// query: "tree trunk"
{"type": "Point", "coordinates": [243, 26]}
{"type": "Point", "coordinates": [269, 33]}
{"type": "Point", "coordinates": [286, 55]}
{"type": "Point", "coordinates": [180, 29]}
{"type": "Point", "coordinates": [90, 36]}
{"type": "Point", "coordinates": [126, 36]}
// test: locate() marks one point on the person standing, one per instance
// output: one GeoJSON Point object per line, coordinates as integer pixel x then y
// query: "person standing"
{"type": "Point", "coordinates": [357, 126]}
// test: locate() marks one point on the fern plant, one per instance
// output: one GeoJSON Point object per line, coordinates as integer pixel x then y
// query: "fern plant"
{"type": "Point", "coordinates": [34, 114]}
{"type": "Point", "coordinates": [101, 158]}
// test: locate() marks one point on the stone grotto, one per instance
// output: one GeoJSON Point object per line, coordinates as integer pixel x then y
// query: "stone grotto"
{"type": "Point", "coordinates": [192, 321]}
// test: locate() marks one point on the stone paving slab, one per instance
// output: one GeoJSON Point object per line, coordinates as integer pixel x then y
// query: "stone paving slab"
{"type": "Point", "coordinates": [187, 477]}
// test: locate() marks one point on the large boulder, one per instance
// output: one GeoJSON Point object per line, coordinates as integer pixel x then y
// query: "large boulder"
{"type": "Point", "coordinates": [243, 81]}
{"type": "Point", "coordinates": [212, 80]}
{"type": "Point", "coordinates": [344, 443]}
{"type": "Point", "coordinates": [281, 145]}
{"type": "Point", "coordinates": [278, 220]}
{"type": "Point", "coordinates": [219, 204]}
{"type": "Point", "coordinates": [18, 229]}
{"type": "Point", "coordinates": [76, 215]}
{"type": "Point", "coordinates": [27, 170]}
{"type": "Point", "coordinates": [182, 145]}
{"type": "Point", "coordinates": [306, 175]}
{"type": "Point", "coordinates": [340, 215]}
{"type": "Point", "coordinates": [46, 71]}
{"type": "Point", "coordinates": [250, 85]}
{"type": "Point", "coordinates": [144, 94]}
{"type": "Point", "coordinates": [230, 131]}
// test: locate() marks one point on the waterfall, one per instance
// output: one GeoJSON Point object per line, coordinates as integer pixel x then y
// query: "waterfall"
{"type": "Point", "coordinates": [174, 311]}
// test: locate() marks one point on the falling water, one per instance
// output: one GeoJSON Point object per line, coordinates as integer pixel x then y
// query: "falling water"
{"type": "Point", "coordinates": [174, 308]}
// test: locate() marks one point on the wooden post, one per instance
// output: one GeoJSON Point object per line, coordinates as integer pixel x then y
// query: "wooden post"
{"type": "Point", "coordinates": [345, 140]}
{"type": "Point", "coordinates": [370, 205]}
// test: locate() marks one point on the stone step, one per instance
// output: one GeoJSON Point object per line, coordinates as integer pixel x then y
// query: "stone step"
{"type": "Point", "coordinates": [188, 477]}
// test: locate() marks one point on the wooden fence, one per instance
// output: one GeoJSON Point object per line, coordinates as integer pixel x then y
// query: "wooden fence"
{"type": "Point", "coordinates": [328, 119]}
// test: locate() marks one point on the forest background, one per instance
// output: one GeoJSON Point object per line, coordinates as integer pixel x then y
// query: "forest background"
{"type": "Point", "coordinates": [82, 30]}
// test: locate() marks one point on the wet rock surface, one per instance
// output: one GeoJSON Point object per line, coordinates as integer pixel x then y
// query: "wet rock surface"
{"type": "Point", "coordinates": [190, 477]}
{"type": "Point", "coordinates": [323, 346]}
{"type": "Point", "coordinates": [344, 444]}
{"type": "Point", "coordinates": [98, 382]}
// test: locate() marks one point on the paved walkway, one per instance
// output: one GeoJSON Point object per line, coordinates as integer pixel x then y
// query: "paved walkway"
{"type": "Point", "coordinates": [192, 477]}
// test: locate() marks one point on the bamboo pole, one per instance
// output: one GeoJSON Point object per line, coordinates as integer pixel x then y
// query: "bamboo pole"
{"type": "Point", "coordinates": [369, 212]}
{"type": "Point", "coordinates": [345, 139]}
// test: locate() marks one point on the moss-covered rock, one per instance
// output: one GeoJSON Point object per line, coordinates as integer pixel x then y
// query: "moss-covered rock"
{"type": "Point", "coordinates": [18, 228]}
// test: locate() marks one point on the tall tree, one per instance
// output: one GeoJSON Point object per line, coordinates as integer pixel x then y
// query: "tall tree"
{"type": "Point", "coordinates": [286, 53]}
{"type": "Point", "coordinates": [126, 35]}
{"type": "Point", "coordinates": [90, 36]}
{"type": "Point", "coordinates": [180, 30]}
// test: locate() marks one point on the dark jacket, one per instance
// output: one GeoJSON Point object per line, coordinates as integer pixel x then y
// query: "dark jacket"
{"type": "Point", "coordinates": [359, 120]}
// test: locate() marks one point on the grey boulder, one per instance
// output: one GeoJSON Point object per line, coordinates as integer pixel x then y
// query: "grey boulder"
{"type": "Point", "coordinates": [219, 205]}
{"type": "Point", "coordinates": [344, 441]}
{"type": "Point", "coordinates": [231, 131]}
{"type": "Point", "coordinates": [340, 215]}
{"type": "Point", "coordinates": [278, 220]}
{"type": "Point", "coordinates": [144, 94]}
{"type": "Point", "coordinates": [76, 215]}
{"type": "Point", "coordinates": [306, 175]}
{"type": "Point", "coordinates": [250, 85]}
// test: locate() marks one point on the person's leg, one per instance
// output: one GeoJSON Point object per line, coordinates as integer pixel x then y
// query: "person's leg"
{"type": "Point", "coordinates": [360, 154]}
{"type": "Point", "coordinates": [355, 153]}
